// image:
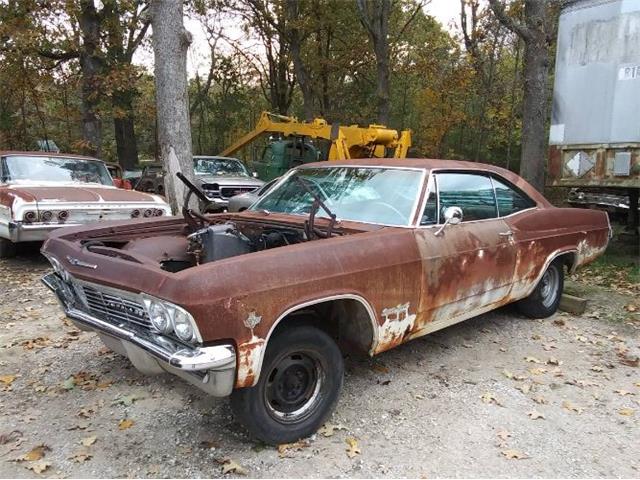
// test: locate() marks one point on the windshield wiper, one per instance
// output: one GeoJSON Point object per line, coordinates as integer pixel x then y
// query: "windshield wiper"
{"type": "Point", "coordinates": [309, 225]}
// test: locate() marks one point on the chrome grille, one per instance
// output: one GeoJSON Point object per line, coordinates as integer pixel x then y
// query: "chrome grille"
{"type": "Point", "coordinates": [115, 308]}
{"type": "Point", "coordinates": [227, 192]}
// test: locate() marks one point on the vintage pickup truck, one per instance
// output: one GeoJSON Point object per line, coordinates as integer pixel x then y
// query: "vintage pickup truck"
{"type": "Point", "coordinates": [358, 255]}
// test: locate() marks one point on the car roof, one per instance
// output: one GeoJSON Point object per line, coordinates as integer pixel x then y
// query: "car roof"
{"type": "Point", "coordinates": [438, 164]}
{"type": "Point", "coordinates": [16, 153]}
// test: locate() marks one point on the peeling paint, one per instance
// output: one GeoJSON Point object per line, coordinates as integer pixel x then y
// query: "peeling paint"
{"type": "Point", "coordinates": [249, 355]}
{"type": "Point", "coordinates": [398, 322]}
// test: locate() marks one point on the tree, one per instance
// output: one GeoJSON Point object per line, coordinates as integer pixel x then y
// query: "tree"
{"type": "Point", "coordinates": [170, 44]}
{"type": "Point", "coordinates": [533, 33]}
{"type": "Point", "coordinates": [374, 16]}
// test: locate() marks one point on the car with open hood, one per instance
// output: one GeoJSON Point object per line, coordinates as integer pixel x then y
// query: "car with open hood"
{"type": "Point", "coordinates": [43, 191]}
{"type": "Point", "coordinates": [344, 256]}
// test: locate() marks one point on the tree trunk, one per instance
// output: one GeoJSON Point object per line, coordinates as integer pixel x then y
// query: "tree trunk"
{"type": "Point", "coordinates": [299, 68]}
{"type": "Point", "coordinates": [374, 16]}
{"type": "Point", "coordinates": [534, 111]}
{"type": "Point", "coordinates": [123, 124]}
{"type": "Point", "coordinates": [535, 76]}
{"type": "Point", "coordinates": [90, 64]}
{"type": "Point", "coordinates": [170, 44]}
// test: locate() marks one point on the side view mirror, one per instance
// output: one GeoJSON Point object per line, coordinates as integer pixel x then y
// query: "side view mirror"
{"type": "Point", "coordinates": [452, 216]}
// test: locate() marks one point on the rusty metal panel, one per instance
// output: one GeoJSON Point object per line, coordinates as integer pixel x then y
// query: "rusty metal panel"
{"type": "Point", "coordinates": [594, 166]}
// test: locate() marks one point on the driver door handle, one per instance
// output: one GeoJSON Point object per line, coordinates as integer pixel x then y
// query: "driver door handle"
{"type": "Point", "coordinates": [508, 233]}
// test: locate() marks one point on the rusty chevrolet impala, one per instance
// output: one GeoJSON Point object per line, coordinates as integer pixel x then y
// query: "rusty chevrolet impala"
{"type": "Point", "coordinates": [357, 255]}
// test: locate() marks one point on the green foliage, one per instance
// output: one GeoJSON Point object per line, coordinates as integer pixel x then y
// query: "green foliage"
{"type": "Point", "coordinates": [459, 103]}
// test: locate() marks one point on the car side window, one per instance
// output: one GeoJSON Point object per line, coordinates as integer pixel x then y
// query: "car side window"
{"type": "Point", "coordinates": [430, 212]}
{"type": "Point", "coordinates": [473, 193]}
{"type": "Point", "coordinates": [509, 199]}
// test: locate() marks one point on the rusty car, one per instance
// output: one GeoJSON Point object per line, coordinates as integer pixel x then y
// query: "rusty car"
{"type": "Point", "coordinates": [345, 256]}
{"type": "Point", "coordinates": [44, 191]}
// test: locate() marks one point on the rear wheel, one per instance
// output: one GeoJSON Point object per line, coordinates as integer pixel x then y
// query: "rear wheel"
{"type": "Point", "coordinates": [299, 386]}
{"type": "Point", "coordinates": [545, 299]}
{"type": "Point", "coordinates": [7, 248]}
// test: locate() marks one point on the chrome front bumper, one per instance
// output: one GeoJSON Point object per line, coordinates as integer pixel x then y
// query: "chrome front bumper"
{"type": "Point", "coordinates": [211, 369]}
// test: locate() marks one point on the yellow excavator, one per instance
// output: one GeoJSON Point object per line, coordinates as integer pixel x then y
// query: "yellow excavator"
{"type": "Point", "coordinates": [293, 143]}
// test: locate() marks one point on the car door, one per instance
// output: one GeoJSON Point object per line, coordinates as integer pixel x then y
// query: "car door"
{"type": "Point", "coordinates": [467, 268]}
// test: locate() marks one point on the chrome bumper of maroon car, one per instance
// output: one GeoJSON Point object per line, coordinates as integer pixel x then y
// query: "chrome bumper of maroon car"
{"type": "Point", "coordinates": [211, 369]}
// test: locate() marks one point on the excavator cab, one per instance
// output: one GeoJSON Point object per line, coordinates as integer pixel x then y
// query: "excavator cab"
{"type": "Point", "coordinates": [281, 155]}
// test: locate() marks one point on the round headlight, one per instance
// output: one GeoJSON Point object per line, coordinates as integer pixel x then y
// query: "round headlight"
{"type": "Point", "coordinates": [159, 317]}
{"type": "Point", "coordinates": [182, 326]}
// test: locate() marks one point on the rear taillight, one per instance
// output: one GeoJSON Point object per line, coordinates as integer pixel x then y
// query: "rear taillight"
{"type": "Point", "coordinates": [135, 213]}
{"type": "Point", "coordinates": [46, 216]}
{"type": "Point", "coordinates": [30, 216]}
{"type": "Point", "coordinates": [148, 213]}
{"type": "Point", "coordinates": [63, 215]}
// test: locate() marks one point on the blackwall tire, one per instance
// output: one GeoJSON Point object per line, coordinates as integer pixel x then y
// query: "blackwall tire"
{"type": "Point", "coordinates": [545, 299]}
{"type": "Point", "coordinates": [7, 248]}
{"type": "Point", "coordinates": [299, 386]}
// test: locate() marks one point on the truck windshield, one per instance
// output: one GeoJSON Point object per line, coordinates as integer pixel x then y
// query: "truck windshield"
{"type": "Point", "coordinates": [219, 166]}
{"type": "Point", "coordinates": [385, 196]}
{"type": "Point", "coordinates": [22, 168]}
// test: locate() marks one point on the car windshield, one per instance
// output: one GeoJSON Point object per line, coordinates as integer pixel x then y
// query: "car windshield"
{"type": "Point", "coordinates": [18, 168]}
{"type": "Point", "coordinates": [219, 166]}
{"type": "Point", "coordinates": [374, 195]}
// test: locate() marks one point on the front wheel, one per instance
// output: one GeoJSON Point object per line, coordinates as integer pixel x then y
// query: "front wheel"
{"type": "Point", "coordinates": [545, 299]}
{"type": "Point", "coordinates": [299, 386]}
{"type": "Point", "coordinates": [7, 248]}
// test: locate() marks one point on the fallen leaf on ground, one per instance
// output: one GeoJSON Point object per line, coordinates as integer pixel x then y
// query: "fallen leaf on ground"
{"type": "Point", "coordinates": [88, 441]}
{"type": "Point", "coordinates": [537, 371]}
{"type": "Point", "coordinates": [535, 415]}
{"type": "Point", "coordinates": [507, 374]}
{"type": "Point", "coordinates": [567, 405]}
{"type": "Point", "coordinates": [231, 466]}
{"type": "Point", "coordinates": [125, 424]}
{"type": "Point", "coordinates": [153, 470]}
{"type": "Point", "coordinates": [597, 368]}
{"type": "Point", "coordinates": [532, 360]}
{"type": "Point", "coordinates": [554, 361]}
{"type": "Point", "coordinates": [503, 434]}
{"type": "Point", "coordinates": [328, 429]}
{"type": "Point", "coordinates": [352, 447]}
{"type": "Point", "coordinates": [524, 388]}
{"type": "Point", "coordinates": [514, 454]}
{"type": "Point", "coordinates": [36, 453]}
{"type": "Point", "coordinates": [559, 322]}
{"type": "Point", "coordinates": [540, 400]}
{"type": "Point", "coordinates": [38, 467]}
{"type": "Point", "coordinates": [10, 437]}
{"type": "Point", "coordinates": [7, 379]}
{"type": "Point", "coordinates": [81, 456]}
{"type": "Point", "coordinates": [489, 397]}
{"type": "Point", "coordinates": [631, 308]}
{"type": "Point", "coordinates": [627, 412]}
{"type": "Point", "coordinates": [630, 361]}
{"type": "Point", "coordinates": [379, 368]}
{"type": "Point", "coordinates": [283, 448]}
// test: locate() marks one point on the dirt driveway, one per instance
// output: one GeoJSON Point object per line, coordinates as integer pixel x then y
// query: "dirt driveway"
{"type": "Point", "coordinates": [499, 396]}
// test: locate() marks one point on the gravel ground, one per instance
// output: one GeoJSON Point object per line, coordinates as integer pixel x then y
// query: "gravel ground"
{"type": "Point", "coordinates": [498, 396]}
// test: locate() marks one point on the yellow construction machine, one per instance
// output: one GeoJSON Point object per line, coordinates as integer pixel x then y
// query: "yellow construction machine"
{"type": "Point", "coordinates": [293, 143]}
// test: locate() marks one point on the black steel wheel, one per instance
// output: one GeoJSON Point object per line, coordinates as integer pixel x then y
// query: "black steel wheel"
{"type": "Point", "coordinates": [298, 388]}
{"type": "Point", "coordinates": [545, 299]}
